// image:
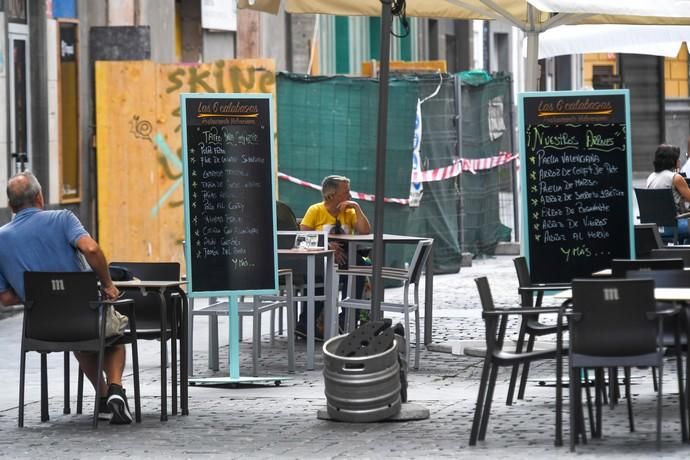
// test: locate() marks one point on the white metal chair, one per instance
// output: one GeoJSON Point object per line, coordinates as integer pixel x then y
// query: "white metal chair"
{"type": "Point", "coordinates": [409, 276]}
{"type": "Point", "coordinates": [254, 308]}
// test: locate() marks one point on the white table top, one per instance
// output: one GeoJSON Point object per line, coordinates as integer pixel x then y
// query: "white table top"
{"type": "Point", "coordinates": [306, 252]}
{"type": "Point", "coordinates": [387, 237]}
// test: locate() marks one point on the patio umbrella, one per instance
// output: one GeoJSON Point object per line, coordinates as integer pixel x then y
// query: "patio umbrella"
{"type": "Point", "coordinates": [530, 16]}
{"type": "Point", "coordinates": [613, 38]}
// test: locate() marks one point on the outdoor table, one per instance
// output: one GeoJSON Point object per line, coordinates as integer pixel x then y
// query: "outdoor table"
{"type": "Point", "coordinates": [329, 297]}
{"type": "Point", "coordinates": [355, 241]}
{"type": "Point", "coordinates": [149, 288]}
{"type": "Point", "coordinates": [660, 294]}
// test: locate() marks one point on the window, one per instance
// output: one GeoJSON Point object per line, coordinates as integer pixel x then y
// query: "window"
{"type": "Point", "coordinates": [16, 11]}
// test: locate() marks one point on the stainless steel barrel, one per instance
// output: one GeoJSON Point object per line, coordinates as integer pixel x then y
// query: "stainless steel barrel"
{"type": "Point", "coordinates": [361, 389]}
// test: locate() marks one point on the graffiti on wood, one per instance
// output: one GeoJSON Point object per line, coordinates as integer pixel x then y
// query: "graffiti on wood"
{"type": "Point", "coordinates": [139, 148]}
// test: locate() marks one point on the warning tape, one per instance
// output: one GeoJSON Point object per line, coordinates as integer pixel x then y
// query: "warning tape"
{"type": "Point", "coordinates": [464, 164]}
{"type": "Point", "coordinates": [461, 164]}
{"type": "Point", "coordinates": [355, 195]}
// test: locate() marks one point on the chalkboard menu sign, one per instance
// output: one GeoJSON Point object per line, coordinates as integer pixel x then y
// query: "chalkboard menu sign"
{"type": "Point", "coordinates": [576, 189]}
{"type": "Point", "coordinates": [229, 201]}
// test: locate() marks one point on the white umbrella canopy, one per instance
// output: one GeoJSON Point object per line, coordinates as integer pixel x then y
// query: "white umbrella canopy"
{"type": "Point", "coordinates": [531, 16]}
{"type": "Point", "coordinates": [613, 38]}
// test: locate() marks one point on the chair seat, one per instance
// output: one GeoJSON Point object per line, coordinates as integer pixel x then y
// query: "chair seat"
{"type": "Point", "coordinates": [537, 328]}
{"type": "Point", "coordinates": [364, 304]}
{"type": "Point", "coordinates": [648, 359]}
{"type": "Point", "coordinates": [523, 357]}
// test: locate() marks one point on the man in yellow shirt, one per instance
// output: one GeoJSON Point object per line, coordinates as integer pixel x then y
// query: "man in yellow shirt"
{"type": "Point", "coordinates": [337, 213]}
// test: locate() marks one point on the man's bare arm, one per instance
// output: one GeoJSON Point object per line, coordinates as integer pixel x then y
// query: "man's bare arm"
{"type": "Point", "coordinates": [96, 259]}
{"type": "Point", "coordinates": [9, 297]}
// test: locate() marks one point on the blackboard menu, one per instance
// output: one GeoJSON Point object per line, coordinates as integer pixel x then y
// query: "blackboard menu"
{"type": "Point", "coordinates": [229, 199]}
{"type": "Point", "coordinates": [576, 182]}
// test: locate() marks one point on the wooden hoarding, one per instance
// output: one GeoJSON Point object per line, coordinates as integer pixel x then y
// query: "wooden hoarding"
{"type": "Point", "coordinates": [139, 149]}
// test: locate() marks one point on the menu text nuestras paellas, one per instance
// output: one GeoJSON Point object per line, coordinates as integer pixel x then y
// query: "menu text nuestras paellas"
{"type": "Point", "coordinates": [573, 184]}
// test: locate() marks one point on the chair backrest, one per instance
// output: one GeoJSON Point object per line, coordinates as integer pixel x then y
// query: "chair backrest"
{"type": "Point", "coordinates": [147, 306]}
{"type": "Point", "coordinates": [657, 206]}
{"type": "Point", "coordinates": [152, 271]}
{"type": "Point", "coordinates": [663, 278]}
{"type": "Point", "coordinates": [620, 266]}
{"type": "Point", "coordinates": [285, 217]}
{"type": "Point", "coordinates": [57, 306]}
{"type": "Point", "coordinates": [647, 237]}
{"type": "Point", "coordinates": [494, 335]}
{"type": "Point", "coordinates": [524, 280]}
{"type": "Point", "coordinates": [675, 253]}
{"type": "Point", "coordinates": [611, 317]}
{"type": "Point", "coordinates": [419, 258]}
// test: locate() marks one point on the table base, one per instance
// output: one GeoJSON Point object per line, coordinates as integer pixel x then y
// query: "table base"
{"type": "Point", "coordinates": [236, 381]}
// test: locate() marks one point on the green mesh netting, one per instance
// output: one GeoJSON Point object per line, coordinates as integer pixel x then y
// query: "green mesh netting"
{"type": "Point", "coordinates": [327, 125]}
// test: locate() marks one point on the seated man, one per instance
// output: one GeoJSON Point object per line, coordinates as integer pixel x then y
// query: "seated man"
{"type": "Point", "coordinates": [337, 213]}
{"type": "Point", "coordinates": [39, 240]}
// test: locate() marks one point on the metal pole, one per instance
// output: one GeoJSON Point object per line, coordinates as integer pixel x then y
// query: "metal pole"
{"type": "Point", "coordinates": [513, 166]}
{"type": "Point", "coordinates": [458, 126]}
{"type": "Point", "coordinates": [384, 56]}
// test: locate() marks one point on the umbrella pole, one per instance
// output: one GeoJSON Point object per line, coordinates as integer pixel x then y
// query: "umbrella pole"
{"type": "Point", "coordinates": [532, 62]}
{"type": "Point", "coordinates": [384, 56]}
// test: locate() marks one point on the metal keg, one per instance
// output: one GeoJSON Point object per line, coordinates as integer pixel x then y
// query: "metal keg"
{"type": "Point", "coordinates": [361, 389]}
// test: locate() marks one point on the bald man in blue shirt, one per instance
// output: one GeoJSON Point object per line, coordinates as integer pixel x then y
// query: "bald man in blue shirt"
{"type": "Point", "coordinates": [39, 240]}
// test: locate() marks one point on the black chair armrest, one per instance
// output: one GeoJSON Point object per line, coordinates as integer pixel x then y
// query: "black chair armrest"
{"type": "Point", "coordinates": [664, 312]}
{"type": "Point", "coordinates": [518, 311]}
{"type": "Point", "coordinates": [543, 288]}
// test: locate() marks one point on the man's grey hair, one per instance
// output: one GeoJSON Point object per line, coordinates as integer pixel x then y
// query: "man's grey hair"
{"type": "Point", "coordinates": [22, 194]}
{"type": "Point", "coordinates": [329, 185]}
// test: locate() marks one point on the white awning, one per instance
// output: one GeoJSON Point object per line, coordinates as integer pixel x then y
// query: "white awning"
{"type": "Point", "coordinates": [613, 38]}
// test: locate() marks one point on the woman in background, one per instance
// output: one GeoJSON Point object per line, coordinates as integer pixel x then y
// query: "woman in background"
{"type": "Point", "coordinates": [665, 175]}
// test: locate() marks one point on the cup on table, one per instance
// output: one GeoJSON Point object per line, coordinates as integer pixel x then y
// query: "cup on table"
{"type": "Point", "coordinates": [312, 240]}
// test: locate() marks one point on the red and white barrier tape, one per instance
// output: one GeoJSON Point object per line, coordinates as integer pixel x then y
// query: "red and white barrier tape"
{"type": "Point", "coordinates": [464, 164]}
{"type": "Point", "coordinates": [355, 195]}
{"type": "Point", "coordinates": [461, 164]}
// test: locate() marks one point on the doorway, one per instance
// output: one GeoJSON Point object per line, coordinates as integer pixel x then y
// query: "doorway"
{"type": "Point", "coordinates": [20, 98]}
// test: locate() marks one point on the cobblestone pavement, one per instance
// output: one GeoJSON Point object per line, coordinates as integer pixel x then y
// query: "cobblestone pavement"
{"type": "Point", "coordinates": [267, 421]}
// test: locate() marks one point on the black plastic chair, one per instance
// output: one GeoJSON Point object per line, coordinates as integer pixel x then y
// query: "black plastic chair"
{"type": "Point", "coordinates": [496, 356]}
{"type": "Point", "coordinates": [285, 217]}
{"type": "Point", "coordinates": [530, 324]}
{"type": "Point", "coordinates": [615, 322]}
{"type": "Point", "coordinates": [647, 237]}
{"type": "Point", "coordinates": [657, 206]}
{"type": "Point", "coordinates": [675, 253]}
{"type": "Point", "coordinates": [148, 310]}
{"type": "Point", "coordinates": [63, 312]}
{"type": "Point", "coordinates": [620, 266]}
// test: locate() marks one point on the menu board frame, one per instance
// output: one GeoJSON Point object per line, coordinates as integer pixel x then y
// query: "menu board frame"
{"type": "Point", "coordinates": [218, 106]}
{"type": "Point", "coordinates": [577, 112]}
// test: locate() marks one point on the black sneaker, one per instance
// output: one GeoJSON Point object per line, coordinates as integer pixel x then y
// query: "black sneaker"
{"type": "Point", "coordinates": [103, 409]}
{"type": "Point", "coordinates": [117, 402]}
